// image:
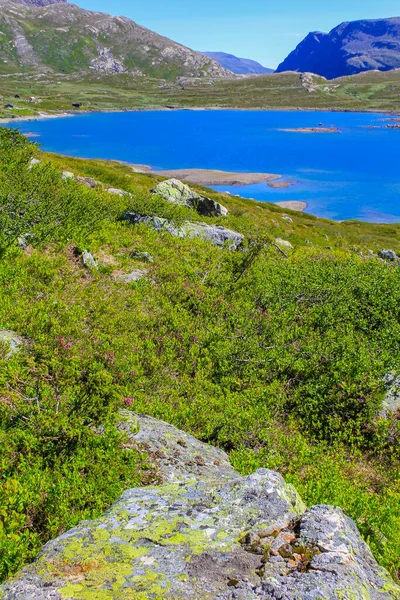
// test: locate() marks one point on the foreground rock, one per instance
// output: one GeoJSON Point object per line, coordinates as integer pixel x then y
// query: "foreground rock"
{"type": "Point", "coordinates": [388, 255]}
{"type": "Point", "coordinates": [176, 192]}
{"type": "Point", "coordinates": [217, 235]}
{"type": "Point", "coordinates": [205, 533]}
{"type": "Point", "coordinates": [12, 342]}
{"type": "Point", "coordinates": [391, 401]}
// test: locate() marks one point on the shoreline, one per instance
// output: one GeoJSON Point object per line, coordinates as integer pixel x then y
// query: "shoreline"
{"type": "Point", "coordinates": [74, 113]}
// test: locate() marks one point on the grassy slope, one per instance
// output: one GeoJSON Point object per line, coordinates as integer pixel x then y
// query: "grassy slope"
{"type": "Point", "coordinates": [281, 366]}
{"type": "Point", "coordinates": [370, 91]}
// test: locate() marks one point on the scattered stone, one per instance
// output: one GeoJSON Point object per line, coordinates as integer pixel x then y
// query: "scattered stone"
{"type": "Point", "coordinates": [216, 234]}
{"type": "Point", "coordinates": [388, 255]}
{"type": "Point", "coordinates": [68, 175]}
{"type": "Point", "coordinates": [143, 256]}
{"type": "Point", "coordinates": [89, 261]}
{"type": "Point", "coordinates": [135, 275]}
{"type": "Point", "coordinates": [33, 162]}
{"type": "Point", "coordinates": [284, 244]}
{"type": "Point", "coordinates": [391, 401]}
{"type": "Point", "coordinates": [88, 181]}
{"type": "Point", "coordinates": [25, 240]}
{"type": "Point", "coordinates": [176, 192]}
{"type": "Point", "coordinates": [179, 539]}
{"type": "Point", "coordinates": [117, 192]}
{"type": "Point", "coordinates": [287, 218]}
{"type": "Point", "coordinates": [12, 341]}
{"type": "Point", "coordinates": [77, 104]}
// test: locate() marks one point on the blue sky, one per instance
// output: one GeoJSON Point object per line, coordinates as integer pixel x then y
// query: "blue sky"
{"type": "Point", "coordinates": [265, 30]}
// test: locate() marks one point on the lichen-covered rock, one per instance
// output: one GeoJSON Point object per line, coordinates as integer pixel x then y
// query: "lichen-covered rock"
{"type": "Point", "coordinates": [391, 401]}
{"type": "Point", "coordinates": [68, 175]}
{"type": "Point", "coordinates": [12, 342]}
{"type": "Point", "coordinates": [89, 261]}
{"type": "Point", "coordinates": [284, 244]}
{"type": "Point", "coordinates": [176, 192]}
{"type": "Point", "coordinates": [388, 255]}
{"type": "Point", "coordinates": [142, 256]}
{"type": "Point", "coordinates": [135, 275]}
{"type": "Point", "coordinates": [216, 234]}
{"type": "Point", "coordinates": [206, 533]}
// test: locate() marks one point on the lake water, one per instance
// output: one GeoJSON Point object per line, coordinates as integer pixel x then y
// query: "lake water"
{"type": "Point", "coordinates": [352, 175]}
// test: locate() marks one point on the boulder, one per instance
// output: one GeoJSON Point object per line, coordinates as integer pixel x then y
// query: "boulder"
{"type": "Point", "coordinates": [12, 341]}
{"type": "Point", "coordinates": [88, 181]}
{"type": "Point", "coordinates": [68, 175]}
{"type": "Point", "coordinates": [216, 234]}
{"type": "Point", "coordinates": [33, 162]}
{"type": "Point", "coordinates": [205, 533]}
{"type": "Point", "coordinates": [388, 255]}
{"type": "Point", "coordinates": [176, 192]}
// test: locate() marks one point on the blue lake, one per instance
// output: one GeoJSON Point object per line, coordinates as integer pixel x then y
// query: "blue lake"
{"type": "Point", "coordinates": [351, 175]}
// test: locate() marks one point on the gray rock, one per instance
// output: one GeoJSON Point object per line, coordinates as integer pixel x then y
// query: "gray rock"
{"type": "Point", "coordinates": [89, 261]}
{"type": "Point", "coordinates": [284, 244]}
{"type": "Point", "coordinates": [391, 401]}
{"type": "Point", "coordinates": [143, 256]}
{"type": "Point", "coordinates": [33, 162]}
{"type": "Point", "coordinates": [388, 255]}
{"type": "Point", "coordinates": [287, 218]}
{"type": "Point", "coordinates": [68, 175]}
{"type": "Point", "coordinates": [217, 235]}
{"type": "Point", "coordinates": [176, 192]}
{"type": "Point", "coordinates": [117, 192]}
{"type": "Point", "coordinates": [12, 341]}
{"type": "Point", "coordinates": [25, 240]}
{"type": "Point", "coordinates": [88, 181]}
{"type": "Point", "coordinates": [196, 535]}
{"type": "Point", "coordinates": [135, 275]}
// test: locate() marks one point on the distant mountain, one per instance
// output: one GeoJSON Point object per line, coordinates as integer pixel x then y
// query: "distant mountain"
{"type": "Point", "coordinates": [55, 36]}
{"type": "Point", "coordinates": [39, 2]}
{"type": "Point", "coordinates": [240, 66]}
{"type": "Point", "coordinates": [348, 49]}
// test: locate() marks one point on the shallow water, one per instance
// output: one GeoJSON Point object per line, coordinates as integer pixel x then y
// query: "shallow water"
{"type": "Point", "coordinates": [351, 175]}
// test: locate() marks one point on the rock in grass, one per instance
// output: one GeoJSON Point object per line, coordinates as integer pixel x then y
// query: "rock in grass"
{"type": "Point", "coordinates": [388, 255]}
{"type": "Point", "coordinates": [12, 342]}
{"type": "Point", "coordinates": [135, 275]}
{"type": "Point", "coordinates": [68, 175]}
{"type": "Point", "coordinates": [117, 192]}
{"type": "Point", "coordinates": [33, 162]}
{"type": "Point", "coordinates": [89, 261]}
{"type": "Point", "coordinates": [142, 256]}
{"type": "Point", "coordinates": [391, 401]}
{"type": "Point", "coordinates": [176, 192]}
{"type": "Point", "coordinates": [216, 234]}
{"type": "Point", "coordinates": [283, 244]}
{"type": "Point", "coordinates": [201, 534]}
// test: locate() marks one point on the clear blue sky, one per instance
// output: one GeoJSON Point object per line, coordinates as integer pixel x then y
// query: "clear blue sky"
{"type": "Point", "coordinates": [265, 30]}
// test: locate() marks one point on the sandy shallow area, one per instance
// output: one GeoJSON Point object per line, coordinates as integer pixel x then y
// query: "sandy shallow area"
{"type": "Point", "coordinates": [293, 205]}
{"type": "Point", "coordinates": [213, 177]}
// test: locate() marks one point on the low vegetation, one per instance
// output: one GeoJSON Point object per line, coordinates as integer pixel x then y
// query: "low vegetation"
{"type": "Point", "coordinates": [279, 359]}
{"type": "Point", "coordinates": [374, 91]}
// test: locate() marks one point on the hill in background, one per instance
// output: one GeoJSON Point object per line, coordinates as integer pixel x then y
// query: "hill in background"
{"type": "Point", "coordinates": [239, 66]}
{"type": "Point", "coordinates": [348, 49]}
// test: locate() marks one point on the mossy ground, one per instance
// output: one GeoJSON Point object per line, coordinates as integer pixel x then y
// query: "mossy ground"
{"type": "Point", "coordinates": [277, 360]}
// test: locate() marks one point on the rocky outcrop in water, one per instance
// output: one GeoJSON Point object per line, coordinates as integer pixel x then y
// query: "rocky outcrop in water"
{"type": "Point", "coordinates": [205, 533]}
{"type": "Point", "coordinates": [216, 234]}
{"type": "Point", "coordinates": [176, 192]}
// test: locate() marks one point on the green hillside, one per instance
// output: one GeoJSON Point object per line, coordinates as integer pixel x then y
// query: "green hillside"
{"type": "Point", "coordinates": [277, 355]}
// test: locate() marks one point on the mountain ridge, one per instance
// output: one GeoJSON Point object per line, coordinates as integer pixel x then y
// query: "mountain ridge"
{"type": "Point", "coordinates": [350, 48]}
{"type": "Point", "coordinates": [59, 37]}
{"type": "Point", "coordinates": [239, 66]}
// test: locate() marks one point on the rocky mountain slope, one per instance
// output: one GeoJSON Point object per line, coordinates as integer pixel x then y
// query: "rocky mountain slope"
{"type": "Point", "coordinates": [240, 66]}
{"type": "Point", "coordinates": [60, 37]}
{"type": "Point", "coordinates": [348, 49]}
{"type": "Point", "coordinates": [207, 533]}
